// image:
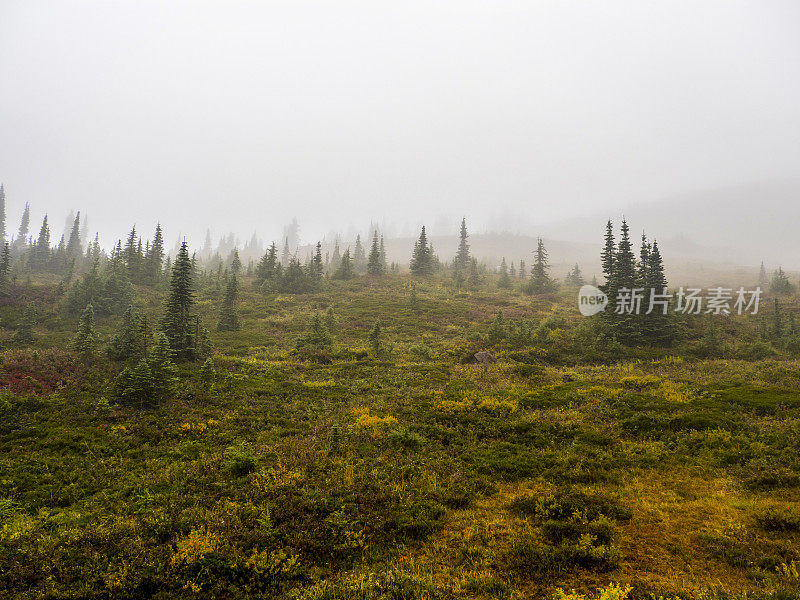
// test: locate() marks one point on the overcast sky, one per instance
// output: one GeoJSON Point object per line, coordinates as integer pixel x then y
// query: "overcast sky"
{"type": "Point", "coordinates": [239, 115]}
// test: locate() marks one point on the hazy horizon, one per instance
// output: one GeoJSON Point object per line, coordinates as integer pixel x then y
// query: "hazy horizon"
{"type": "Point", "coordinates": [237, 117]}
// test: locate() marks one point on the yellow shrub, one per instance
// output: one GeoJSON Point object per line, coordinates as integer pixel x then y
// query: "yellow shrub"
{"type": "Point", "coordinates": [498, 405]}
{"type": "Point", "coordinates": [376, 425]}
{"type": "Point", "coordinates": [195, 546]}
{"type": "Point", "coordinates": [611, 592]}
{"type": "Point", "coordinates": [675, 392]}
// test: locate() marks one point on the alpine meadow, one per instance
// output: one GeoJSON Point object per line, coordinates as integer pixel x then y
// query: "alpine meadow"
{"type": "Point", "coordinates": [399, 301]}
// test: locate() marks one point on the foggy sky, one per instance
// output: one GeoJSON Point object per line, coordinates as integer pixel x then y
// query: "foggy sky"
{"type": "Point", "coordinates": [238, 116]}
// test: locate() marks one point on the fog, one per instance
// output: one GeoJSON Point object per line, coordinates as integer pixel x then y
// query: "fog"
{"type": "Point", "coordinates": [238, 116]}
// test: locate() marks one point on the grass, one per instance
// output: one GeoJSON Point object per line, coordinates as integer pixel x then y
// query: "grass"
{"type": "Point", "coordinates": [412, 474]}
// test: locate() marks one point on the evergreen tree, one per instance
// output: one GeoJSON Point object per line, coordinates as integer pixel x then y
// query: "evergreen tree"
{"type": "Point", "coordinates": [126, 343]}
{"type": "Point", "coordinates": [89, 289]}
{"type": "Point", "coordinates": [375, 336]}
{"type": "Point", "coordinates": [607, 258]}
{"type": "Point", "coordinates": [228, 319]}
{"type": "Point", "coordinates": [462, 258]}
{"type": "Point", "coordinates": [780, 283]}
{"type": "Point", "coordinates": [74, 248]}
{"type": "Point", "coordinates": [497, 332]}
{"type": "Point", "coordinates": [162, 368]}
{"type": "Point", "coordinates": [2, 214]}
{"type": "Point", "coordinates": [267, 265]}
{"type": "Point", "coordinates": [152, 380]}
{"type": "Point", "coordinates": [575, 278]}
{"type": "Point", "coordinates": [131, 255]}
{"type": "Point", "coordinates": [624, 273]}
{"type": "Point", "coordinates": [644, 262]}
{"type": "Point", "coordinates": [512, 272]}
{"type": "Point", "coordinates": [25, 334]}
{"type": "Point", "coordinates": [155, 257]}
{"type": "Point", "coordinates": [86, 340]}
{"type": "Point", "coordinates": [236, 263]}
{"type": "Point", "coordinates": [318, 337]}
{"type": "Point", "coordinates": [40, 253]}
{"type": "Point", "coordinates": [177, 323]}
{"type": "Point", "coordinates": [762, 276]}
{"type": "Point", "coordinates": [382, 250]}
{"type": "Point", "coordinates": [345, 268]}
{"type": "Point", "coordinates": [5, 268]}
{"type": "Point", "coordinates": [285, 253]}
{"type": "Point", "coordinates": [475, 276]}
{"type": "Point", "coordinates": [337, 257]}
{"type": "Point", "coordinates": [422, 261]}
{"type": "Point", "coordinates": [503, 281]}
{"type": "Point", "coordinates": [295, 279]}
{"type": "Point", "coordinates": [540, 281]}
{"type": "Point", "coordinates": [359, 255]}
{"type": "Point", "coordinates": [316, 267]}
{"type": "Point", "coordinates": [24, 224]}
{"type": "Point", "coordinates": [376, 265]}
{"type": "Point", "coordinates": [523, 274]}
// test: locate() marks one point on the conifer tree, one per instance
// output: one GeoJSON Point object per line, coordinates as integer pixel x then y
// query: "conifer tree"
{"type": "Point", "coordinates": [126, 343]}
{"type": "Point", "coordinates": [25, 334]}
{"type": "Point", "coordinates": [624, 267]}
{"type": "Point", "coordinates": [162, 367]}
{"type": "Point", "coordinates": [316, 268]}
{"type": "Point", "coordinates": [461, 261]}
{"type": "Point", "coordinates": [382, 250]}
{"type": "Point", "coordinates": [177, 323]}
{"type": "Point", "coordinates": [376, 264]}
{"type": "Point", "coordinates": [497, 331]}
{"type": "Point", "coordinates": [644, 262]}
{"type": "Point", "coordinates": [155, 257]}
{"type": "Point", "coordinates": [152, 380]}
{"type": "Point", "coordinates": [512, 272]}
{"type": "Point", "coordinates": [475, 276]}
{"type": "Point", "coordinates": [2, 214]}
{"type": "Point", "coordinates": [575, 278]}
{"type": "Point", "coordinates": [375, 336]}
{"type": "Point", "coordinates": [422, 257]}
{"type": "Point", "coordinates": [236, 263]}
{"type": "Point", "coordinates": [267, 265]}
{"type": "Point", "coordinates": [523, 274]}
{"type": "Point", "coordinates": [336, 257]}
{"type": "Point", "coordinates": [762, 276]}
{"type": "Point", "coordinates": [285, 255]}
{"type": "Point", "coordinates": [86, 340]}
{"type": "Point", "coordinates": [318, 337]}
{"type": "Point", "coordinates": [359, 255]}
{"type": "Point", "coordinates": [74, 248]}
{"type": "Point", "coordinates": [24, 224]}
{"type": "Point", "coordinates": [345, 268]}
{"type": "Point", "coordinates": [780, 283]}
{"type": "Point", "coordinates": [540, 281]}
{"type": "Point", "coordinates": [503, 281]}
{"type": "Point", "coordinates": [607, 258]}
{"type": "Point", "coordinates": [228, 318]}
{"type": "Point", "coordinates": [5, 268]}
{"type": "Point", "coordinates": [131, 255]}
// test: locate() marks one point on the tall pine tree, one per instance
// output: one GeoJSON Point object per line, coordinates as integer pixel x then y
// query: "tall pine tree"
{"type": "Point", "coordinates": [178, 322]}
{"type": "Point", "coordinates": [422, 261]}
